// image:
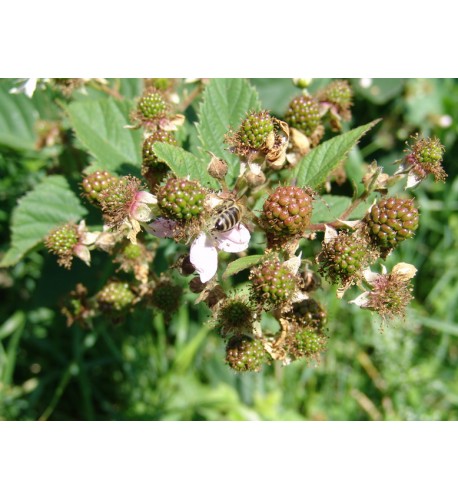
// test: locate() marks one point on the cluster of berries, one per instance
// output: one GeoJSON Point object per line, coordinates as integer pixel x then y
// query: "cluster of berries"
{"type": "Point", "coordinates": [210, 221]}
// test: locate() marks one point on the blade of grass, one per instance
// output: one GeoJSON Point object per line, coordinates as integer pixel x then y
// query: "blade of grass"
{"type": "Point", "coordinates": [65, 379]}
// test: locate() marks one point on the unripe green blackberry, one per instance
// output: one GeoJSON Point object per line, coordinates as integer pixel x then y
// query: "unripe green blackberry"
{"type": "Point", "coordinates": [338, 93]}
{"type": "Point", "coordinates": [161, 83]}
{"type": "Point", "coordinates": [307, 314]}
{"type": "Point", "coordinates": [115, 296]}
{"type": "Point", "coordinates": [287, 211]}
{"type": "Point", "coordinates": [117, 193]}
{"type": "Point", "coordinates": [132, 252]}
{"type": "Point", "coordinates": [390, 295]}
{"type": "Point", "coordinates": [303, 114]}
{"type": "Point", "coordinates": [62, 242]}
{"type": "Point", "coordinates": [152, 105]}
{"type": "Point", "coordinates": [425, 157]}
{"type": "Point", "coordinates": [245, 354]}
{"type": "Point", "coordinates": [149, 156]}
{"type": "Point", "coordinates": [344, 257]}
{"type": "Point", "coordinates": [180, 199]}
{"type": "Point", "coordinates": [272, 283]}
{"type": "Point", "coordinates": [235, 315]}
{"type": "Point", "coordinates": [118, 198]}
{"type": "Point", "coordinates": [391, 221]}
{"type": "Point", "coordinates": [93, 184]}
{"type": "Point", "coordinates": [255, 129]}
{"type": "Point", "coordinates": [167, 296]}
{"type": "Point", "coordinates": [306, 343]}
{"type": "Point", "coordinates": [431, 152]}
{"type": "Point", "coordinates": [154, 170]}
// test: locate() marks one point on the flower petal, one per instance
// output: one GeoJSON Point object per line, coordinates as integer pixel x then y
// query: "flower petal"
{"type": "Point", "coordinates": [162, 228]}
{"type": "Point", "coordinates": [204, 257]}
{"type": "Point", "coordinates": [145, 197]}
{"type": "Point", "coordinates": [293, 264]}
{"type": "Point", "coordinates": [369, 275]}
{"type": "Point", "coordinates": [83, 253]}
{"type": "Point", "coordinates": [362, 300]}
{"type": "Point", "coordinates": [30, 86]}
{"type": "Point", "coordinates": [404, 271]}
{"type": "Point", "coordinates": [233, 241]}
{"type": "Point", "coordinates": [412, 180]}
{"type": "Point", "coordinates": [141, 212]}
{"type": "Point", "coordinates": [329, 234]}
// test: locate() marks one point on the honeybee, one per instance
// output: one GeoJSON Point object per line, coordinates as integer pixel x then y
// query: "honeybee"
{"type": "Point", "coordinates": [226, 216]}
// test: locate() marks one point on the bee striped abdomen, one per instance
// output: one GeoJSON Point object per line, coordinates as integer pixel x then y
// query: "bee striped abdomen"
{"type": "Point", "coordinates": [227, 218]}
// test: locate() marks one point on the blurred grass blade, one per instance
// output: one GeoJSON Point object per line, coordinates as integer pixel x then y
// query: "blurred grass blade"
{"type": "Point", "coordinates": [186, 356]}
{"type": "Point", "coordinates": [12, 324]}
{"type": "Point", "coordinates": [440, 326]}
{"type": "Point", "coordinates": [11, 352]}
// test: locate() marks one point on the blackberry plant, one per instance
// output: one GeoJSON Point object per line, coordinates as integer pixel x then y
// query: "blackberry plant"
{"type": "Point", "coordinates": [204, 199]}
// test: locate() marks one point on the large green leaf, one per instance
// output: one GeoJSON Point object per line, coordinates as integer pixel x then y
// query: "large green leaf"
{"type": "Point", "coordinates": [99, 125]}
{"type": "Point", "coordinates": [17, 118]}
{"type": "Point", "coordinates": [184, 164]}
{"type": "Point", "coordinates": [314, 168]}
{"type": "Point", "coordinates": [225, 103]}
{"type": "Point", "coordinates": [50, 204]}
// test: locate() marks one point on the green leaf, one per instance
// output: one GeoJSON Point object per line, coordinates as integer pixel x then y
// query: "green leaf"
{"type": "Point", "coordinates": [99, 125]}
{"type": "Point", "coordinates": [17, 119]}
{"type": "Point", "coordinates": [184, 164]}
{"type": "Point", "coordinates": [240, 264]}
{"type": "Point", "coordinates": [275, 93]}
{"type": "Point", "coordinates": [50, 204]}
{"type": "Point", "coordinates": [128, 87]}
{"type": "Point", "coordinates": [224, 104]}
{"type": "Point", "coordinates": [381, 90]}
{"type": "Point", "coordinates": [314, 168]}
{"type": "Point", "coordinates": [328, 208]}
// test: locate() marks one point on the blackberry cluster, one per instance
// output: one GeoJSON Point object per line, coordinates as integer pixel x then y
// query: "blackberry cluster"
{"type": "Point", "coordinates": [93, 184]}
{"type": "Point", "coordinates": [338, 93]}
{"type": "Point", "coordinates": [234, 316]}
{"type": "Point", "coordinates": [167, 297]}
{"type": "Point", "coordinates": [391, 221]}
{"type": "Point", "coordinates": [152, 169]}
{"type": "Point", "coordinates": [272, 284]}
{"type": "Point", "coordinates": [180, 199]}
{"type": "Point", "coordinates": [62, 242]}
{"type": "Point", "coordinates": [149, 156]}
{"type": "Point", "coordinates": [287, 211]}
{"type": "Point", "coordinates": [306, 343]}
{"type": "Point", "coordinates": [343, 258]}
{"type": "Point", "coordinates": [303, 114]}
{"type": "Point", "coordinates": [255, 129]}
{"type": "Point", "coordinates": [152, 106]}
{"type": "Point", "coordinates": [115, 296]}
{"type": "Point", "coordinates": [307, 314]}
{"type": "Point", "coordinates": [245, 354]}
